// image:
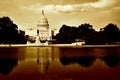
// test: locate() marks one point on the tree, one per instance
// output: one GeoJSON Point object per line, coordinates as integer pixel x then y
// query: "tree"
{"type": "Point", "coordinates": [111, 33]}
{"type": "Point", "coordinates": [86, 32]}
{"type": "Point", "coordinates": [67, 34]}
{"type": "Point", "coordinates": [9, 33]}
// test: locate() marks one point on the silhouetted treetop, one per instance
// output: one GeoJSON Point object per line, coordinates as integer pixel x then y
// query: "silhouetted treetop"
{"type": "Point", "coordinates": [111, 32]}
{"type": "Point", "coordinates": [85, 26]}
{"type": "Point", "coordinates": [67, 34]}
{"type": "Point", "coordinates": [6, 22]}
{"type": "Point", "coordinates": [9, 32]}
{"type": "Point", "coordinates": [111, 28]}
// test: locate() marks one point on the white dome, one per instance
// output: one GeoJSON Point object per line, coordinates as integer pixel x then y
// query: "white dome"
{"type": "Point", "coordinates": [43, 22]}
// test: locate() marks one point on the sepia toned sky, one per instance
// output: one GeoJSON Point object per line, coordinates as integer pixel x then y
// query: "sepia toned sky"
{"type": "Point", "coordinates": [26, 13]}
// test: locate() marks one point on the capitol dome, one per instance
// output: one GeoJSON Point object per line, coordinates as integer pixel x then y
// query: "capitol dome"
{"type": "Point", "coordinates": [43, 21]}
{"type": "Point", "coordinates": [43, 28]}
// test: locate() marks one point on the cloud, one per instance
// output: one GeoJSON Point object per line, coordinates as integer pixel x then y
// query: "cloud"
{"type": "Point", "coordinates": [105, 3]}
{"type": "Point", "coordinates": [58, 8]}
{"type": "Point", "coordinates": [70, 8]}
{"type": "Point", "coordinates": [65, 6]}
{"type": "Point", "coordinates": [56, 2]}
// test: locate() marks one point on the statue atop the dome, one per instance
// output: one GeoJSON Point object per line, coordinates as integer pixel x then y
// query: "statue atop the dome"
{"type": "Point", "coordinates": [43, 12]}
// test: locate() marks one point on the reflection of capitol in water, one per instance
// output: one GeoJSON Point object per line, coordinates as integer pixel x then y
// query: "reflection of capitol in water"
{"type": "Point", "coordinates": [67, 56]}
{"type": "Point", "coordinates": [47, 62]}
{"type": "Point", "coordinates": [43, 60]}
{"type": "Point", "coordinates": [44, 56]}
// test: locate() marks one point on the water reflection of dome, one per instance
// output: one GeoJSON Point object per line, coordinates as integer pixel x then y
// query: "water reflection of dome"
{"type": "Point", "coordinates": [6, 65]}
{"type": "Point", "coordinates": [84, 61]}
{"type": "Point", "coordinates": [43, 65]}
{"type": "Point", "coordinates": [111, 60]}
{"type": "Point", "coordinates": [42, 60]}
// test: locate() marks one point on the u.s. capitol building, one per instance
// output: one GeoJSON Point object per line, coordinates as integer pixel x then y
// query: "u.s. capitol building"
{"type": "Point", "coordinates": [42, 33]}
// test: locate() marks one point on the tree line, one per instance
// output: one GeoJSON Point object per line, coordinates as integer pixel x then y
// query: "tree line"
{"type": "Point", "coordinates": [110, 34]}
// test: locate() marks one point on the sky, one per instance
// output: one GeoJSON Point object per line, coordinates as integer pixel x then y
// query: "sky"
{"type": "Point", "coordinates": [26, 13]}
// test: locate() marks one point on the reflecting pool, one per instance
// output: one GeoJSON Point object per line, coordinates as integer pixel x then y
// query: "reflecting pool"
{"type": "Point", "coordinates": [59, 63]}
